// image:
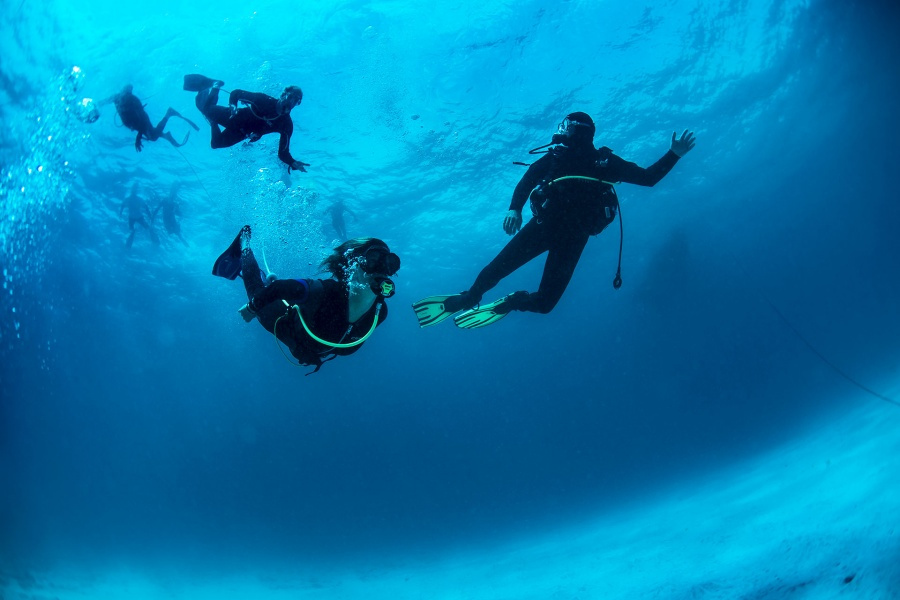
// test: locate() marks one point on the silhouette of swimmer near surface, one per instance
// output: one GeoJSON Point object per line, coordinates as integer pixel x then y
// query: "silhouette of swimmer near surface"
{"type": "Point", "coordinates": [317, 319]}
{"type": "Point", "coordinates": [337, 211]}
{"type": "Point", "coordinates": [134, 117]}
{"type": "Point", "coordinates": [137, 210]}
{"type": "Point", "coordinates": [260, 115]}
{"type": "Point", "coordinates": [171, 212]}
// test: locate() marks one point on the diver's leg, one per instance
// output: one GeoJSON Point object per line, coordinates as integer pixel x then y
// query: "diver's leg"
{"type": "Point", "coordinates": [195, 82]}
{"type": "Point", "coordinates": [525, 246]}
{"type": "Point", "coordinates": [168, 136]}
{"type": "Point", "coordinates": [565, 251]}
{"type": "Point", "coordinates": [154, 133]}
{"type": "Point", "coordinates": [139, 121]}
{"type": "Point", "coordinates": [206, 100]}
{"type": "Point", "coordinates": [250, 272]}
{"type": "Point", "coordinates": [224, 138]}
{"type": "Point", "coordinates": [162, 123]}
{"type": "Point", "coordinates": [174, 113]}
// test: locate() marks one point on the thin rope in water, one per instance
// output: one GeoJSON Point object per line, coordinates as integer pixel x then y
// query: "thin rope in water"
{"type": "Point", "coordinates": [200, 181]}
{"type": "Point", "coordinates": [809, 344]}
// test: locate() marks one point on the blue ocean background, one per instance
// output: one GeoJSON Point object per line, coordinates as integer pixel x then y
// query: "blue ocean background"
{"type": "Point", "coordinates": [145, 426]}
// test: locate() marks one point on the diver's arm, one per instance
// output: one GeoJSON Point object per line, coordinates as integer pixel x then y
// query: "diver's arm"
{"type": "Point", "coordinates": [237, 96]}
{"type": "Point", "coordinates": [529, 181]}
{"type": "Point", "coordinates": [512, 221]}
{"type": "Point", "coordinates": [284, 143]}
{"type": "Point", "coordinates": [628, 172]}
{"type": "Point", "coordinates": [106, 101]}
{"type": "Point", "coordinates": [631, 173]}
{"type": "Point", "coordinates": [256, 99]}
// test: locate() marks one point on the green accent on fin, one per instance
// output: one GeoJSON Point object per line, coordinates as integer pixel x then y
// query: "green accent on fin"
{"type": "Point", "coordinates": [481, 316]}
{"type": "Point", "coordinates": [431, 310]}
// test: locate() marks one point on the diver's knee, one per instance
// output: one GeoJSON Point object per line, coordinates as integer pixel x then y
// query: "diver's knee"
{"type": "Point", "coordinates": [540, 303]}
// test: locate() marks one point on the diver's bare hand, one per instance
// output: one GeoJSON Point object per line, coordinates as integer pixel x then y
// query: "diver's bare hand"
{"type": "Point", "coordinates": [683, 146]}
{"type": "Point", "coordinates": [247, 313]}
{"type": "Point", "coordinates": [512, 222]}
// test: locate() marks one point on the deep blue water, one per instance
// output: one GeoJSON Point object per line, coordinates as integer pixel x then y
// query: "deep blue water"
{"type": "Point", "coordinates": [142, 418]}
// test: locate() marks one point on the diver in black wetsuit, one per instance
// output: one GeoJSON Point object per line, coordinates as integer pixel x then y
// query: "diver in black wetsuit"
{"type": "Point", "coordinates": [171, 210]}
{"type": "Point", "coordinates": [137, 208]}
{"type": "Point", "coordinates": [317, 319]}
{"type": "Point", "coordinates": [573, 198]}
{"type": "Point", "coordinates": [262, 115]}
{"type": "Point", "coordinates": [135, 118]}
{"type": "Point", "coordinates": [337, 211]}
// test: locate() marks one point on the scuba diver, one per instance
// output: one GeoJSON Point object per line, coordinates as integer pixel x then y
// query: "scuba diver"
{"type": "Point", "coordinates": [137, 208]}
{"type": "Point", "coordinates": [317, 319]}
{"type": "Point", "coordinates": [171, 210]}
{"type": "Point", "coordinates": [572, 198]}
{"type": "Point", "coordinates": [337, 211]}
{"type": "Point", "coordinates": [262, 115]}
{"type": "Point", "coordinates": [135, 118]}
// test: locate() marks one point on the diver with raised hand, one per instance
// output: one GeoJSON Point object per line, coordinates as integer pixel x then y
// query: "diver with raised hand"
{"type": "Point", "coordinates": [261, 114]}
{"type": "Point", "coordinates": [572, 198]}
{"type": "Point", "coordinates": [317, 319]}
{"type": "Point", "coordinates": [133, 115]}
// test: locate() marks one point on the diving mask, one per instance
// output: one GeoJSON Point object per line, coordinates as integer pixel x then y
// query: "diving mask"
{"type": "Point", "coordinates": [569, 126]}
{"type": "Point", "coordinates": [378, 260]}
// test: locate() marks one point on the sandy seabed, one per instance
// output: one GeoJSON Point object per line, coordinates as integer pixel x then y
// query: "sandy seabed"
{"type": "Point", "coordinates": [818, 517]}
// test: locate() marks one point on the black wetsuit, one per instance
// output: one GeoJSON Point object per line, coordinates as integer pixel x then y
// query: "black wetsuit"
{"type": "Point", "coordinates": [136, 210]}
{"type": "Point", "coordinates": [133, 115]}
{"type": "Point", "coordinates": [337, 219]}
{"type": "Point", "coordinates": [572, 216]}
{"type": "Point", "coordinates": [324, 304]}
{"type": "Point", "coordinates": [135, 118]}
{"type": "Point", "coordinates": [255, 120]}
{"type": "Point", "coordinates": [171, 211]}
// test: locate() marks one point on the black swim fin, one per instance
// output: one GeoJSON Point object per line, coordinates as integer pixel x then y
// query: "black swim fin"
{"type": "Point", "coordinates": [198, 83]}
{"type": "Point", "coordinates": [228, 265]}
